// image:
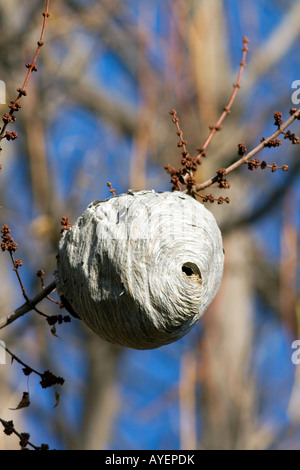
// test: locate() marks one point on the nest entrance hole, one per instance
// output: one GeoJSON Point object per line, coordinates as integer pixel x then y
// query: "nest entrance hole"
{"type": "Point", "coordinates": [190, 269]}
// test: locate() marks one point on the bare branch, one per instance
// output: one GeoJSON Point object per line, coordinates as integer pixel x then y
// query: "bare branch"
{"type": "Point", "coordinates": [246, 157]}
{"type": "Point", "coordinates": [27, 306]}
{"type": "Point", "coordinates": [15, 104]}
{"type": "Point", "coordinates": [227, 109]}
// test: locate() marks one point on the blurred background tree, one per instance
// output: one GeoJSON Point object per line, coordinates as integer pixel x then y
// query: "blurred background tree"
{"type": "Point", "coordinates": [97, 111]}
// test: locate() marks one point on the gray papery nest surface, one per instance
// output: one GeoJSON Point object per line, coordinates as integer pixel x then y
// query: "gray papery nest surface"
{"type": "Point", "coordinates": [141, 268]}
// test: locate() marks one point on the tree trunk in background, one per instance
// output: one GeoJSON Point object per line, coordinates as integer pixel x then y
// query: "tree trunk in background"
{"type": "Point", "coordinates": [228, 393]}
{"type": "Point", "coordinates": [101, 394]}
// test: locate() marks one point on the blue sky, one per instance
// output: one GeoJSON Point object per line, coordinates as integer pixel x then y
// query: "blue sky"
{"type": "Point", "coordinates": [148, 380]}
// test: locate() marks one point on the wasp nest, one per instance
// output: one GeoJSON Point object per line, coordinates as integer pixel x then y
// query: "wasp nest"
{"type": "Point", "coordinates": [141, 268]}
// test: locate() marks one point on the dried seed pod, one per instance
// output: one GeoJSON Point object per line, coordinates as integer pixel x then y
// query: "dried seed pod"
{"type": "Point", "coordinates": [141, 268]}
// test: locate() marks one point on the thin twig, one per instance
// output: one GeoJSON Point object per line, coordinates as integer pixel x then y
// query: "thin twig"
{"type": "Point", "coordinates": [27, 306]}
{"type": "Point", "coordinates": [48, 379]}
{"type": "Point", "coordinates": [15, 268]}
{"type": "Point", "coordinates": [17, 359]}
{"type": "Point", "coordinates": [227, 109]}
{"type": "Point", "coordinates": [246, 157]}
{"type": "Point", "coordinates": [10, 426]}
{"type": "Point", "coordinates": [41, 275]}
{"type": "Point", "coordinates": [15, 105]}
{"type": "Point", "coordinates": [185, 174]}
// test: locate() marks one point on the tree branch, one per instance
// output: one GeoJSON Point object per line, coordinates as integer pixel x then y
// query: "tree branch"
{"type": "Point", "coordinates": [15, 104]}
{"type": "Point", "coordinates": [227, 109]}
{"type": "Point", "coordinates": [247, 156]}
{"type": "Point", "coordinates": [27, 306]}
